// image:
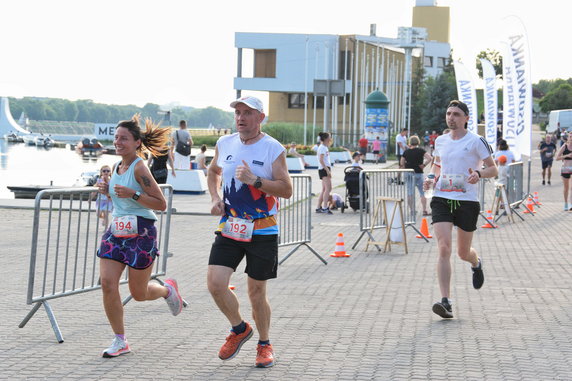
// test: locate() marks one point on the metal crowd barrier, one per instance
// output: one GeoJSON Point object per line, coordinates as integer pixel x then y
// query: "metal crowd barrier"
{"type": "Point", "coordinates": [393, 183]}
{"type": "Point", "coordinates": [295, 217]}
{"type": "Point", "coordinates": [515, 183]}
{"type": "Point", "coordinates": [65, 238]}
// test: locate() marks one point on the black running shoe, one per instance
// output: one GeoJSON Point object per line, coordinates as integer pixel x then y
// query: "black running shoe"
{"type": "Point", "coordinates": [543, 182]}
{"type": "Point", "coordinates": [443, 309]}
{"type": "Point", "coordinates": [478, 276]}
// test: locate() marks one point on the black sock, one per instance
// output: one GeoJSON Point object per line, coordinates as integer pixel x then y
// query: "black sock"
{"type": "Point", "coordinates": [263, 342]}
{"type": "Point", "coordinates": [238, 329]}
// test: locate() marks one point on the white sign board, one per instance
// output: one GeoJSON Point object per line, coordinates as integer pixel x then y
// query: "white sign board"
{"type": "Point", "coordinates": [104, 131]}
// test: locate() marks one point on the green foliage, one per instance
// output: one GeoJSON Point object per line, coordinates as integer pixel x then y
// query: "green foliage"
{"type": "Point", "coordinates": [494, 57]}
{"type": "Point", "coordinates": [544, 86]}
{"type": "Point", "coordinates": [558, 98]}
{"type": "Point", "coordinates": [209, 141]}
{"type": "Point", "coordinates": [55, 109]}
{"type": "Point", "coordinates": [286, 133]}
{"type": "Point", "coordinates": [432, 101]}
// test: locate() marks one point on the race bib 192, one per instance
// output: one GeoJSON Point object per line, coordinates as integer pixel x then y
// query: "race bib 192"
{"type": "Point", "coordinates": [124, 226]}
{"type": "Point", "coordinates": [238, 229]}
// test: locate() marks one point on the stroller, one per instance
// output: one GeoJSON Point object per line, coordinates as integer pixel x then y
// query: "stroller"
{"type": "Point", "coordinates": [351, 178]}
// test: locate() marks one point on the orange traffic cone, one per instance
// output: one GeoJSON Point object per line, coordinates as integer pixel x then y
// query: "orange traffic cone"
{"type": "Point", "coordinates": [340, 247]}
{"type": "Point", "coordinates": [536, 199]}
{"type": "Point", "coordinates": [530, 206]}
{"type": "Point", "coordinates": [490, 224]}
{"type": "Point", "coordinates": [424, 230]}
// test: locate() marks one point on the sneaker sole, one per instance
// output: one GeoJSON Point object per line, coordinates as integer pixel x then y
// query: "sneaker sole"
{"type": "Point", "coordinates": [442, 311]}
{"type": "Point", "coordinates": [116, 354]}
{"type": "Point", "coordinates": [260, 365]}
{"type": "Point", "coordinates": [239, 346]}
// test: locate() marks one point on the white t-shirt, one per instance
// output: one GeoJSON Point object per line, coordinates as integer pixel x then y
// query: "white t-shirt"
{"type": "Point", "coordinates": [323, 150]}
{"type": "Point", "coordinates": [509, 156]}
{"type": "Point", "coordinates": [455, 158]}
{"type": "Point", "coordinates": [503, 175]}
{"type": "Point", "coordinates": [403, 140]}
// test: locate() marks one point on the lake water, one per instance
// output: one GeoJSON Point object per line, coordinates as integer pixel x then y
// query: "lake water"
{"type": "Point", "coordinates": [23, 165]}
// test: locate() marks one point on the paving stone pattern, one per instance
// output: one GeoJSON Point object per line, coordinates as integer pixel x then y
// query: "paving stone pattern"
{"type": "Point", "coordinates": [367, 317]}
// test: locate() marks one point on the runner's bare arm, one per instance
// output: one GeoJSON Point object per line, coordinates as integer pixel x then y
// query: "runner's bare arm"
{"type": "Point", "coordinates": [151, 197]}
{"type": "Point", "coordinates": [213, 182]}
{"type": "Point", "coordinates": [280, 186]}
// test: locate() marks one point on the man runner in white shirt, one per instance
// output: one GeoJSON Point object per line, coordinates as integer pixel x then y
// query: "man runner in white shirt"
{"type": "Point", "coordinates": [455, 174]}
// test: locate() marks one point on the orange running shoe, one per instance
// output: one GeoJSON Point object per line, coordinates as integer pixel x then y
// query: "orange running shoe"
{"type": "Point", "coordinates": [234, 343]}
{"type": "Point", "coordinates": [264, 356]}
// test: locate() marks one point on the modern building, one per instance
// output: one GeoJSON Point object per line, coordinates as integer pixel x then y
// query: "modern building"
{"type": "Point", "coordinates": [321, 80]}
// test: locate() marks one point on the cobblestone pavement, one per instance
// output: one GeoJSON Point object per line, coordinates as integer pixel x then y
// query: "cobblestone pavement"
{"type": "Point", "coordinates": [367, 317]}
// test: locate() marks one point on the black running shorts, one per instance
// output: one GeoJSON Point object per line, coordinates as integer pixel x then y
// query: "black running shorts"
{"type": "Point", "coordinates": [463, 214]}
{"type": "Point", "coordinates": [261, 255]}
{"type": "Point", "coordinates": [323, 173]}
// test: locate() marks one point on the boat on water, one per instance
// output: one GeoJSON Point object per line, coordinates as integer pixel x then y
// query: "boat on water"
{"type": "Point", "coordinates": [87, 179]}
{"type": "Point", "coordinates": [91, 147]}
{"type": "Point", "coordinates": [29, 139]}
{"type": "Point", "coordinates": [44, 141]}
{"type": "Point", "coordinates": [13, 138]}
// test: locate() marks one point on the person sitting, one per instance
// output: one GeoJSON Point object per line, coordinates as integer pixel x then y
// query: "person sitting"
{"type": "Point", "coordinates": [292, 152]}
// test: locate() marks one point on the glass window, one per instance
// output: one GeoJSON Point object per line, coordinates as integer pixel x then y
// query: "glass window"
{"type": "Point", "coordinates": [441, 62]}
{"type": "Point", "coordinates": [295, 100]}
{"type": "Point", "coordinates": [428, 61]}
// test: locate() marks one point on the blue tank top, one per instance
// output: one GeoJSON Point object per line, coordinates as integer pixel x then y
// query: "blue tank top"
{"type": "Point", "coordinates": [127, 206]}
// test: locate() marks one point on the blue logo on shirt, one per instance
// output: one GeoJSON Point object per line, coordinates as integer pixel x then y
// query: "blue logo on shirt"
{"type": "Point", "coordinates": [256, 162]}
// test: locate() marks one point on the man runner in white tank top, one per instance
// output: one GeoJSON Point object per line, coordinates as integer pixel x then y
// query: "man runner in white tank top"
{"type": "Point", "coordinates": [252, 168]}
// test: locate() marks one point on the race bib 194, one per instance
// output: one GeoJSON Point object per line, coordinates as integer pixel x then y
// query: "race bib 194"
{"type": "Point", "coordinates": [238, 229]}
{"type": "Point", "coordinates": [124, 226]}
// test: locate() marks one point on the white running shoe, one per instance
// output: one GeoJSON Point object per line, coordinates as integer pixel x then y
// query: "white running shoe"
{"type": "Point", "coordinates": [118, 347]}
{"type": "Point", "coordinates": [174, 300]}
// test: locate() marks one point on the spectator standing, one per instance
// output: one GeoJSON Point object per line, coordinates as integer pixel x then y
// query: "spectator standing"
{"type": "Point", "coordinates": [363, 143]}
{"type": "Point", "coordinates": [201, 159]}
{"type": "Point", "coordinates": [376, 148]}
{"type": "Point", "coordinates": [416, 158]}
{"type": "Point", "coordinates": [400, 144]}
{"type": "Point", "coordinates": [503, 149]}
{"type": "Point", "coordinates": [158, 166]}
{"type": "Point", "coordinates": [181, 146]}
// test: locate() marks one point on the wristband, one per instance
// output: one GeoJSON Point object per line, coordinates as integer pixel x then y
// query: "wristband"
{"type": "Point", "coordinates": [478, 173]}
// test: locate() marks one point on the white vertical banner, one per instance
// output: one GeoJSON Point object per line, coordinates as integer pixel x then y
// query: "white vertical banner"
{"type": "Point", "coordinates": [466, 93]}
{"type": "Point", "coordinates": [490, 101]}
{"type": "Point", "coordinates": [509, 114]}
{"type": "Point", "coordinates": [519, 50]}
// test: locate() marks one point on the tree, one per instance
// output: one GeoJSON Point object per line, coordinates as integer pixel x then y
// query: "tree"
{"type": "Point", "coordinates": [494, 57]}
{"type": "Point", "coordinates": [416, 92]}
{"type": "Point", "coordinates": [557, 99]}
{"type": "Point", "coordinates": [435, 96]}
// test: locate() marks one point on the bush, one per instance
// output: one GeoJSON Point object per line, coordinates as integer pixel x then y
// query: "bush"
{"type": "Point", "coordinates": [286, 133]}
{"type": "Point", "coordinates": [209, 141]}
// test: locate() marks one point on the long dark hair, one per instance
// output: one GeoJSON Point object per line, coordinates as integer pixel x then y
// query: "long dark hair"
{"type": "Point", "coordinates": [154, 139]}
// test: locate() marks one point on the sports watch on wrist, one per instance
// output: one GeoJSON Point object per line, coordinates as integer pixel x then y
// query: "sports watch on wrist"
{"type": "Point", "coordinates": [258, 183]}
{"type": "Point", "coordinates": [136, 195]}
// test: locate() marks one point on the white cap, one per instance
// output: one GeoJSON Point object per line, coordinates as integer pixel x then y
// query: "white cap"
{"type": "Point", "coordinates": [252, 102]}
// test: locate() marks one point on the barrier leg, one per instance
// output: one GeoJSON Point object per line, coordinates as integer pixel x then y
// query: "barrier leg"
{"type": "Point", "coordinates": [418, 232]}
{"type": "Point", "coordinates": [359, 238]}
{"type": "Point", "coordinates": [487, 221]}
{"type": "Point", "coordinates": [30, 314]}
{"type": "Point", "coordinates": [54, 322]}
{"type": "Point", "coordinates": [297, 247]}
{"type": "Point", "coordinates": [127, 299]}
